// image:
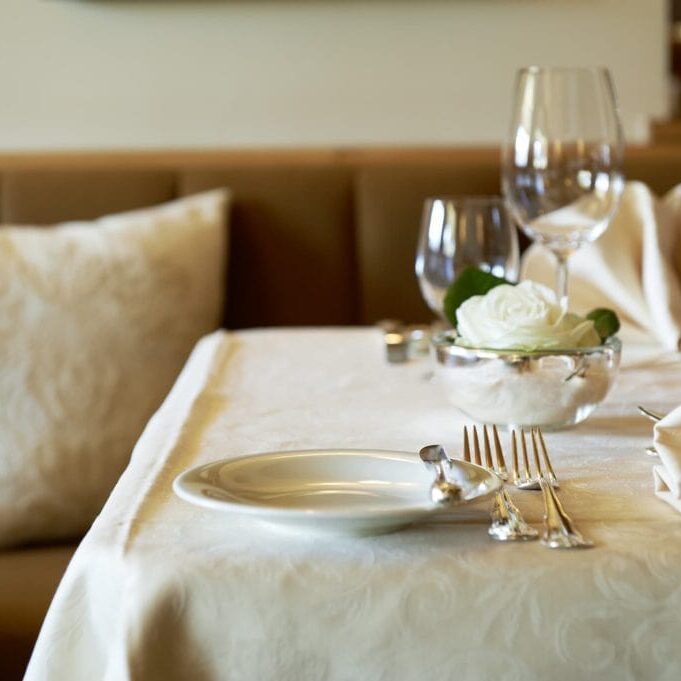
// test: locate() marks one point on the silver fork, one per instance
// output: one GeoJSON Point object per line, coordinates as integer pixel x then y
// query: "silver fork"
{"type": "Point", "coordinates": [559, 530]}
{"type": "Point", "coordinates": [522, 478]}
{"type": "Point", "coordinates": [507, 521]}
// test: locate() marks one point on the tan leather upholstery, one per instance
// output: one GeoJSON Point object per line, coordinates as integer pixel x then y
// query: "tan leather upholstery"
{"type": "Point", "coordinates": [292, 244]}
{"type": "Point", "coordinates": [388, 203]}
{"type": "Point", "coordinates": [42, 197]}
{"type": "Point", "coordinates": [658, 167]}
{"type": "Point", "coordinates": [28, 580]}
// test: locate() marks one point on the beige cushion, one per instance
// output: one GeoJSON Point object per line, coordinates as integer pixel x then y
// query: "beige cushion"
{"type": "Point", "coordinates": [96, 320]}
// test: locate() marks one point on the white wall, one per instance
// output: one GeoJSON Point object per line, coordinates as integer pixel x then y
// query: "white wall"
{"type": "Point", "coordinates": [107, 73]}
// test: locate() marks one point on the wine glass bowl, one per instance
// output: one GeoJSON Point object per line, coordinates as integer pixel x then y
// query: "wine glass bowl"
{"type": "Point", "coordinates": [561, 165]}
{"type": "Point", "coordinates": [457, 232]}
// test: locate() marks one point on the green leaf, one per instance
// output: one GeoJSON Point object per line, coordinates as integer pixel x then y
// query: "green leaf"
{"type": "Point", "coordinates": [605, 322]}
{"type": "Point", "coordinates": [471, 282]}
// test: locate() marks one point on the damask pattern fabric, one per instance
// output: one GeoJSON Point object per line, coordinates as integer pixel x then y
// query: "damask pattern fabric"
{"type": "Point", "coordinates": [96, 320]}
{"type": "Point", "coordinates": [162, 590]}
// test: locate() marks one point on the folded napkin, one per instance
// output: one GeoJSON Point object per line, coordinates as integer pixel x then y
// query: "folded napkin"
{"type": "Point", "coordinates": [634, 268]}
{"type": "Point", "coordinates": [667, 474]}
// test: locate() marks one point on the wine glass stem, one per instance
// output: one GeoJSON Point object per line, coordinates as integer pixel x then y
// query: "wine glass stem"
{"type": "Point", "coordinates": [562, 279]}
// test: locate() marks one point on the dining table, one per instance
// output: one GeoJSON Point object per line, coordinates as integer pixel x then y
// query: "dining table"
{"type": "Point", "coordinates": [163, 589]}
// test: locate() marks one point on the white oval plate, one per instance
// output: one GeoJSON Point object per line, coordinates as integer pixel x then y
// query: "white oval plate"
{"type": "Point", "coordinates": [348, 491]}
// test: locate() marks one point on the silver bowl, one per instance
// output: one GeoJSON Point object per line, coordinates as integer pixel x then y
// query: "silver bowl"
{"type": "Point", "coordinates": [547, 388]}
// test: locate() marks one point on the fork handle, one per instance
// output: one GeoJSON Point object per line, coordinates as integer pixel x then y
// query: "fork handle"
{"type": "Point", "coordinates": [559, 530]}
{"type": "Point", "coordinates": [507, 522]}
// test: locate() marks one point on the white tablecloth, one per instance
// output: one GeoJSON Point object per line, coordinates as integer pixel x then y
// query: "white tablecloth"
{"type": "Point", "coordinates": [161, 589]}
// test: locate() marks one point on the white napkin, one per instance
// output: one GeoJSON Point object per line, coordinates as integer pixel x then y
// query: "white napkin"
{"type": "Point", "coordinates": [634, 268]}
{"type": "Point", "coordinates": [667, 475]}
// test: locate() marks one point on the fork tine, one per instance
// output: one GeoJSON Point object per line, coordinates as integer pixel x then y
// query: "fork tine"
{"type": "Point", "coordinates": [501, 462]}
{"type": "Point", "coordinates": [526, 463]}
{"type": "Point", "coordinates": [514, 458]}
{"type": "Point", "coordinates": [487, 449]}
{"type": "Point", "coordinates": [535, 453]}
{"type": "Point", "coordinates": [466, 446]}
{"type": "Point", "coordinates": [476, 447]}
{"type": "Point", "coordinates": [552, 475]}
{"type": "Point", "coordinates": [507, 521]}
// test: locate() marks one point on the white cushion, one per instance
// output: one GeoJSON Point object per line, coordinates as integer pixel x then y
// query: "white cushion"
{"type": "Point", "coordinates": [96, 320]}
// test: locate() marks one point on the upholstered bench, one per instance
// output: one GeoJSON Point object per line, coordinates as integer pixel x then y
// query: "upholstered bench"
{"type": "Point", "coordinates": [317, 237]}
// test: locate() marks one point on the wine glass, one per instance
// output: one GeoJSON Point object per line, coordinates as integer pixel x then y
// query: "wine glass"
{"type": "Point", "coordinates": [561, 166]}
{"type": "Point", "coordinates": [457, 232]}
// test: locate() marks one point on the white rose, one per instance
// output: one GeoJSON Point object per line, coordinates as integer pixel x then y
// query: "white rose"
{"type": "Point", "coordinates": [522, 317]}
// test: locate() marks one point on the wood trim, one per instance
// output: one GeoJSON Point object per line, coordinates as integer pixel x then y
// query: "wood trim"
{"type": "Point", "coordinates": [207, 158]}
{"type": "Point", "coordinates": [188, 158]}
